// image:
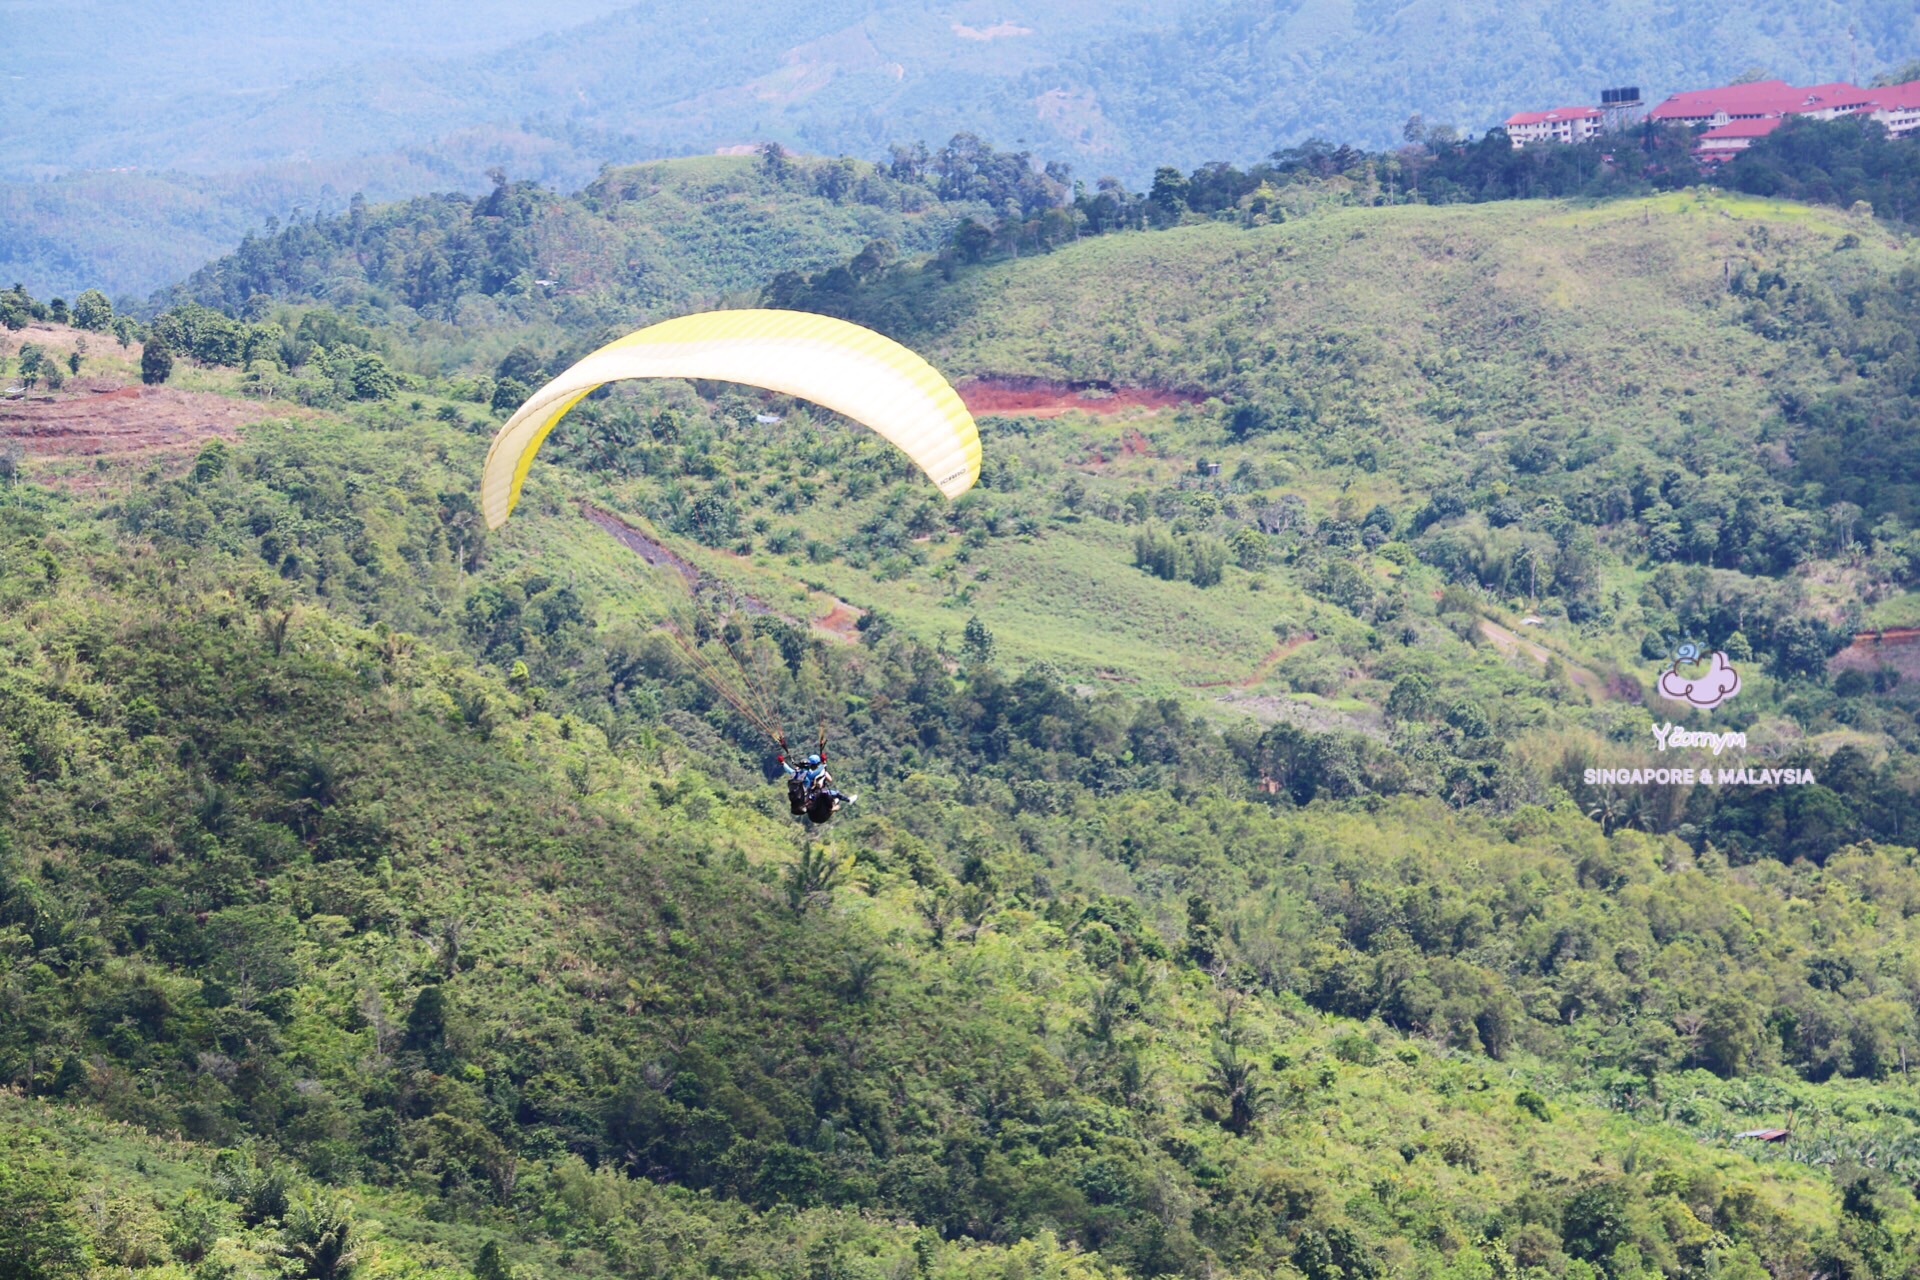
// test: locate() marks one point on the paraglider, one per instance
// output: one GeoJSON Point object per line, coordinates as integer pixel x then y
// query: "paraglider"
{"type": "Point", "coordinates": [864, 375]}
{"type": "Point", "coordinates": [854, 371]}
{"type": "Point", "coordinates": [810, 788]}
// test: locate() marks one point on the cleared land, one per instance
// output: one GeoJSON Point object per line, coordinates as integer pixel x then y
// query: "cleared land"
{"type": "Point", "coordinates": [115, 424]}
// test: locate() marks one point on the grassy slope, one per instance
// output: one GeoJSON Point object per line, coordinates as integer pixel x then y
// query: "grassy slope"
{"type": "Point", "coordinates": [704, 227]}
{"type": "Point", "coordinates": [641, 241]}
{"type": "Point", "coordinates": [1602, 326]}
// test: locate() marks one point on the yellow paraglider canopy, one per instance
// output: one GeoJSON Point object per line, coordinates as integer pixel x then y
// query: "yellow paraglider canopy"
{"type": "Point", "coordinates": [864, 375]}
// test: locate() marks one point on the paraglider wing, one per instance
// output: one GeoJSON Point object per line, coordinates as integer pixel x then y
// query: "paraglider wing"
{"type": "Point", "coordinates": [854, 371]}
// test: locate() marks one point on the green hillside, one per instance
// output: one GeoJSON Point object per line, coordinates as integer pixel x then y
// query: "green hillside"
{"type": "Point", "coordinates": [1223, 897]}
{"type": "Point", "coordinates": [636, 241]}
{"type": "Point", "coordinates": [353, 917]}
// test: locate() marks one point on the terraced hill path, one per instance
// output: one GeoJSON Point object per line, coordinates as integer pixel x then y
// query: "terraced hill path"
{"type": "Point", "coordinates": [1591, 683]}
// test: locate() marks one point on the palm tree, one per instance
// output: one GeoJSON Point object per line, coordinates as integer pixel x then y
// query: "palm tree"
{"type": "Point", "coordinates": [1239, 1098]}
{"type": "Point", "coordinates": [1608, 810]}
{"type": "Point", "coordinates": [817, 872]}
{"type": "Point", "coordinates": [317, 1238]}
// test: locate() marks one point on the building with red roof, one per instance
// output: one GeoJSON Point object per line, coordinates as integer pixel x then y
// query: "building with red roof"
{"type": "Point", "coordinates": [1562, 124]}
{"type": "Point", "coordinates": [1734, 115]}
{"type": "Point", "coordinates": [1764, 100]}
{"type": "Point", "coordinates": [1753, 101]}
{"type": "Point", "coordinates": [1723, 142]}
{"type": "Point", "coordinates": [1898, 108]}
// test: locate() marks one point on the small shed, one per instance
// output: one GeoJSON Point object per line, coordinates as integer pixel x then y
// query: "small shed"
{"type": "Point", "coordinates": [1766, 1135]}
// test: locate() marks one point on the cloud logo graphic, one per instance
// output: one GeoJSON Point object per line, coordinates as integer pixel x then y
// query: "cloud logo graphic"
{"type": "Point", "coordinates": [1709, 689]}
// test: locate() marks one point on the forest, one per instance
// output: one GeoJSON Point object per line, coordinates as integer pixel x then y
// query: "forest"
{"type": "Point", "coordinates": [318, 895]}
{"type": "Point", "coordinates": [381, 896]}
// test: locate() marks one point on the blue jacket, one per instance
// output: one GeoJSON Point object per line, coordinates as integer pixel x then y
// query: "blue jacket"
{"type": "Point", "coordinates": [809, 778]}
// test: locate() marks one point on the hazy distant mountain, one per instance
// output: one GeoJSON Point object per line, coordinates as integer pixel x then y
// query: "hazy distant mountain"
{"type": "Point", "coordinates": [1115, 87]}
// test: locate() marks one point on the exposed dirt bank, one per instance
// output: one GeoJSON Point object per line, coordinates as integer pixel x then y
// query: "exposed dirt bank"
{"type": "Point", "coordinates": [1891, 648]}
{"type": "Point", "coordinates": [1045, 398]}
{"type": "Point", "coordinates": [103, 420]}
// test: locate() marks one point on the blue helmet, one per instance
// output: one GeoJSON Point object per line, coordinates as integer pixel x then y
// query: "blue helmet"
{"type": "Point", "coordinates": [812, 762]}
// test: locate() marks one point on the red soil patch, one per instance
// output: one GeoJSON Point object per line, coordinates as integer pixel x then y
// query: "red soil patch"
{"type": "Point", "coordinates": [122, 423]}
{"type": "Point", "coordinates": [1130, 445]}
{"type": "Point", "coordinates": [1897, 648]}
{"type": "Point", "coordinates": [1044, 398]}
{"type": "Point", "coordinates": [842, 621]}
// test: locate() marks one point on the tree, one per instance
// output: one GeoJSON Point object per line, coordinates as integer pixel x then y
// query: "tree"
{"type": "Point", "coordinates": [1599, 1219]}
{"type": "Point", "coordinates": [40, 1233]}
{"type": "Point", "coordinates": [274, 626]}
{"type": "Point", "coordinates": [818, 870]}
{"type": "Point", "coordinates": [977, 641]}
{"type": "Point", "coordinates": [91, 310]}
{"type": "Point", "coordinates": [1168, 195]}
{"type": "Point", "coordinates": [1800, 648]}
{"type": "Point", "coordinates": [1411, 698]}
{"type": "Point", "coordinates": [317, 1238]}
{"type": "Point", "coordinates": [371, 379]}
{"type": "Point", "coordinates": [1730, 1035]}
{"type": "Point", "coordinates": [971, 240]}
{"type": "Point", "coordinates": [252, 952]}
{"type": "Point", "coordinates": [211, 462]}
{"type": "Point", "coordinates": [491, 1265]}
{"type": "Point", "coordinates": [156, 362]}
{"type": "Point", "coordinates": [523, 365]}
{"type": "Point", "coordinates": [1469, 719]}
{"type": "Point", "coordinates": [16, 307]}
{"type": "Point", "coordinates": [1249, 548]}
{"type": "Point", "coordinates": [1239, 1096]}
{"type": "Point", "coordinates": [1249, 419]}
{"type": "Point", "coordinates": [260, 1190]}
{"type": "Point", "coordinates": [427, 1024]}
{"type": "Point", "coordinates": [774, 162]}
{"type": "Point", "coordinates": [509, 394]}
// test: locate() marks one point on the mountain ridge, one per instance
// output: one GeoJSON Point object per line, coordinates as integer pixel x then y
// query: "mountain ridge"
{"type": "Point", "coordinates": [1110, 89]}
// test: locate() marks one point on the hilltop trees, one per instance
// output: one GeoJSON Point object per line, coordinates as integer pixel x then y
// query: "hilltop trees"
{"type": "Point", "coordinates": [17, 307]}
{"type": "Point", "coordinates": [91, 310]}
{"type": "Point", "coordinates": [336, 358]}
